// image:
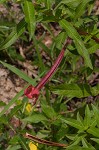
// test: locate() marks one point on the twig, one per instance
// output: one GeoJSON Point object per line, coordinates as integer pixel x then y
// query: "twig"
{"type": "Point", "coordinates": [42, 141]}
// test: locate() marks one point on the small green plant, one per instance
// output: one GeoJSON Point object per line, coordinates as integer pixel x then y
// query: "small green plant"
{"type": "Point", "coordinates": [63, 119]}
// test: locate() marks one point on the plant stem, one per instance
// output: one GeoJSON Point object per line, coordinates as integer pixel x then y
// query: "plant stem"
{"type": "Point", "coordinates": [42, 141]}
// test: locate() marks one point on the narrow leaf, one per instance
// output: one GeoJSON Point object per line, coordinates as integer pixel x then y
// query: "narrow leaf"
{"type": "Point", "coordinates": [81, 8]}
{"type": "Point", "coordinates": [48, 111]}
{"type": "Point", "coordinates": [17, 31]}
{"type": "Point", "coordinates": [72, 122]}
{"type": "Point", "coordinates": [15, 147]}
{"type": "Point", "coordinates": [72, 90]}
{"type": "Point", "coordinates": [95, 139]}
{"type": "Point", "coordinates": [29, 12]}
{"type": "Point", "coordinates": [18, 72]}
{"type": "Point", "coordinates": [35, 118]}
{"type": "Point", "coordinates": [96, 114]}
{"type": "Point", "coordinates": [72, 33]}
{"type": "Point", "coordinates": [87, 119]}
{"type": "Point", "coordinates": [12, 101]}
{"type": "Point", "coordinates": [94, 131]}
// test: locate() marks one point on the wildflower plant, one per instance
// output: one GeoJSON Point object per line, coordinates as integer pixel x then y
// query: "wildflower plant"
{"type": "Point", "coordinates": [62, 115]}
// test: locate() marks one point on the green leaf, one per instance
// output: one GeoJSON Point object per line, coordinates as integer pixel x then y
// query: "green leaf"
{"type": "Point", "coordinates": [76, 141]}
{"type": "Point", "coordinates": [23, 143]}
{"type": "Point", "coordinates": [93, 48]}
{"type": "Point", "coordinates": [17, 31]}
{"type": "Point", "coordinates": [72, 90]}
{"type": "Point", "coordinates": [95, 90]}
{"type": "Point", "coordinates": [80, 119]}
{"type": "Point", "coordinates": [72, 33]}
{"type": "Point", "coordinates": [36, 118]}
{"type": "Point", "coordinates": [95, 139]}
{"type": "Point", "coordinates": [62, 132]}
{"type": "Point", "coordinates": [94, 131]}
{"type": "Point", "coordinates": [71, 3]}
{"type": "Point", "coordinates": [14, 110]}
{"type": "Point", "coordinates": [74, 123]}
{"type": "Point", "coordinates": [49, 3]}
{"type": "Point", "coordinates": [59, 40]}
{"type": "Point", "coordinates": [81, 8]}
{"type": "Point", "coordinates": [29, 12]}
{"type": "Point", "coordinates": [96, 114]}
{"type": "Point", "coordinates": [20, 73]}
{"type": "Point", "coordinates": [41, 64]}
{"type": "Point", "coordinates": [87, 118]}
{"type": "Point", "coordinates": [48, 111]}
{"type": "Point", "coordinates": [13, 101]}
{"type": "Point", "coordinates": [84, 142]}
{"type": "Point", "coordinates": [4, 120]}
{"type": "Point", "coordinates": [16, 147]}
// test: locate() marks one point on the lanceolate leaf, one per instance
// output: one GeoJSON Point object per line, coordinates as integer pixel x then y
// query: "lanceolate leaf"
{"type": "Point", "coordinates": [29, 12]}
{"type": "Point", "coordinates": [75, 90]}
{"type": "Point", "coordinates": [71, 31]}
{"type": "Point", "coordinates": [81, 8]}
{"type": "Point", "coordinates": [87, 118]}
{"type": "Point", "coordinates": [12, 101]}
{"type": "Point", "coordinates": [17, 31]}
{"type": "Point", "coordinates": [94, 131]}
{"type": "Point", "coordinates": [35, 118]}
{"type": "Point", "coordinates": [48, 111]}
{"type": "Point", "coordinates": [96, 114]}
{"type": "Point", "coordinates": [93, 48]}
{"type": "Point", "coordinates": [20, 73]}
{"type": "Point", "coordinates": [95, 139]}
{"type": "Point", "coordinates": [72, 122]}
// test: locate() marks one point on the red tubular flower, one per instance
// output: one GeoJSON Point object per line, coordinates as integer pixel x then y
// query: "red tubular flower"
{"type": "Point", "coordinates": [33, 92]}
{"type": "Point", "coordinates": [47, 76]}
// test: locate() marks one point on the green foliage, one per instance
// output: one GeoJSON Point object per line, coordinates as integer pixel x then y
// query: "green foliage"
{"type": "Point", "coordinates": [78, 43]}
{"type": "Point", "coordinates": [62, 114]}
{"type": "Point", "coordinates": [29, 16]}
{"type": "Point", "coordinates": [75, 90]}
{"type": "Point", "coordinates": [20, 73]}
{"type": "Point", "coordinates": [16, 32]}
